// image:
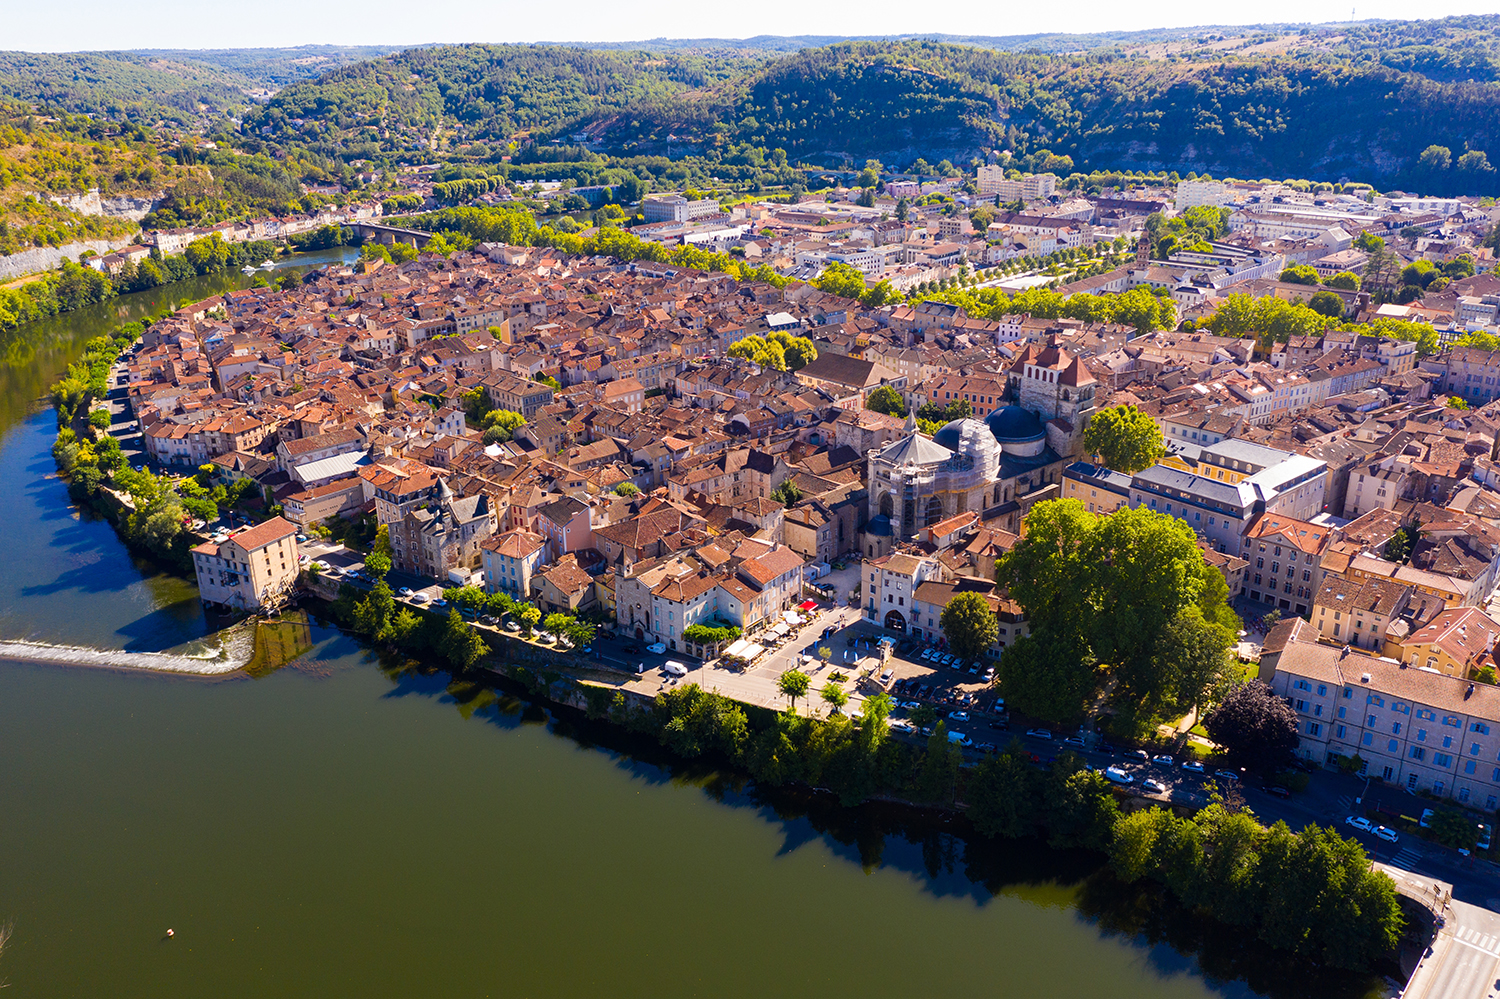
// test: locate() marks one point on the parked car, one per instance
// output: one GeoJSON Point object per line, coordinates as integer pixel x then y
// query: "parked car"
{"type": "Point", "coordinates": [1039, 733]}
{"type": "Point", "coordinates": [1164, 760]}
{"type": "Point", "coordinates": [985, 747]}
{"type": "Point", "coordinates": [420, 598]}
{"type": "Point", "coordinates": [1193, 767]}
{"type": "Point", "coordinates": [1117, 776]}
{"type": "Point", "coordinates": [1277, 791]}
{"type": "Point", "coordinates": [1484, 836]}
{"type": "Point", "coordinates": [959, 715]}
{"type": "Point", "coordinates": [989, 674]}
{"type": "Point", "coordinates": [959, 739]}
{"type": "Point", "coordinates": [1226, 775]}
{"type": "Point", "coordinates": [909, 705]}
{"type": "Point", "coordinates": [1139, 754]}
{"type": "Point", "coordinates": [1154, 786]}
{"type": "Point", "coordinates": [1075, 740]}
{"type": "Point", "coordinates": [656, 648]}
{"type": "Point", "coordinates": [1359, 822]}
{"type": "Point", "coordinates": [631, 650]}
{"type": "Point", "coordinates": [1388, 834]}
{"type": "Point", "coordinates": [405, 591]}
{"type": "Point", "coordinates": [674, 668]}
{"type": "Point", "coordinates": [887, 675]}
{"type": "Point", "coordinates": [512, 626]}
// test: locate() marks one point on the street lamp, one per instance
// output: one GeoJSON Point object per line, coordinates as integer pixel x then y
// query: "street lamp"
{"type": "Point", "coordinates": [1361, 798]}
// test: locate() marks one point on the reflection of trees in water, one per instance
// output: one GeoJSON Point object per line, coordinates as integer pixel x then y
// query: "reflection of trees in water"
{"type": "Point", "coordinates": [950, 858]}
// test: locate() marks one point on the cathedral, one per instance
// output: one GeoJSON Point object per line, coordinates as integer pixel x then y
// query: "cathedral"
{"type": "Point", "coordinates": [999, 467]}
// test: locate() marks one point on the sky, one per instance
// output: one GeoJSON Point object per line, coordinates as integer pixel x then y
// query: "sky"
{"type": "Point", "coordinates": [81, 25]}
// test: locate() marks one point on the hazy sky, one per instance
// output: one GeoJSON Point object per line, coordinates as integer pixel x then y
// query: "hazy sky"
{"type": "Point", "coordinates": [110, 24]}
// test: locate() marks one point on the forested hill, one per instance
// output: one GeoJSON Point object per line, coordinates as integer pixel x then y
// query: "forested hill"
{"type": "Point", "coordinates": [1358, 102]}
{"type": "Point", "coordinates": [175, 88]}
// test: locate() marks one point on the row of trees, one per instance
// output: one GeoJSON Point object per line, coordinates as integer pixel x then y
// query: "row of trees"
{"type": "Point", "coordinates": [1311, 892]}
{"type": "Point", "coordinates": [1140, 307]}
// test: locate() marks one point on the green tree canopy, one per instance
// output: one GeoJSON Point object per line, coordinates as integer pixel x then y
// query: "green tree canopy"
{"type": "Point", "coordinates": [886, 400]}
{"type": "Point", "coordinates": [1126, 439]}
{"type": "Point", "coordinates": [969, 625]}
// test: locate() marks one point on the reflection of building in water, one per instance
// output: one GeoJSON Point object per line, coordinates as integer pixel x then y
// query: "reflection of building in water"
{"type": "Point", "coordinates": [278, 642]}
{"type": "Point", "coordinates": [998, 468]}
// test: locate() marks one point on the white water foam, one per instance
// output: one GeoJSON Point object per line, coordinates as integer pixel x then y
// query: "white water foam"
{"type": "Point", "coordinates": [235, 650]}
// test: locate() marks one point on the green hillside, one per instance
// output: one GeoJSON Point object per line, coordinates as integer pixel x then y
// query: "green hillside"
{"type": "Point", "coordinates": [1356, 102]}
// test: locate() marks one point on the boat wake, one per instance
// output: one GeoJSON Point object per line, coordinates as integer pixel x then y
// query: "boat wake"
{"type": "Point", "coordinates": [234, 651]}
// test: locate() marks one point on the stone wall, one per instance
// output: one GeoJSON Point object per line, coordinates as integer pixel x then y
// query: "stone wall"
{"type": "Point", "coordinates": [46, 258]}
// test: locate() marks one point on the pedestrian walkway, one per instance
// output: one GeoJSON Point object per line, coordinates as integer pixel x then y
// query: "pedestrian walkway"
{"type": "Point", "coordinates": [1485, 943]}
{"type": "Point", "coordinates": [1406, 858]}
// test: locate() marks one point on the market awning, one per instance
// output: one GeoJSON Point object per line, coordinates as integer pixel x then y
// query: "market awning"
{"type": "Point", "coordinates": [808, 605]}
{"type": "Point", "coordinates": [781, 628]}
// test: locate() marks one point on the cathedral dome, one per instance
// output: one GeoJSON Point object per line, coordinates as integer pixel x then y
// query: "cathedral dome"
{"type": "Point", "coordinates": [1014, 425]}
{"type": "Point", "coordinates": [952, 434]}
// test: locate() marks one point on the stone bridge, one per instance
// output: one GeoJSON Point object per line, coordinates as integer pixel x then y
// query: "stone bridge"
{"type": "Point", "coordinates": [390, 234]}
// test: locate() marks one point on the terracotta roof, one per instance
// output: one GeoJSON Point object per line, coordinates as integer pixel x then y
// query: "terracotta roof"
{"type": "Point", "coordinates": [257, 537]}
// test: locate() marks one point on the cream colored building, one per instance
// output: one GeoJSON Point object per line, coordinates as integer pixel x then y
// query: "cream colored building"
{"type": "Point", "coordinates": [253, 569]}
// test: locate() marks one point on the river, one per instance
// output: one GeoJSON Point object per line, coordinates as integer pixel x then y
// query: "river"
{"type": "Point", "coordinates": [348, 827]}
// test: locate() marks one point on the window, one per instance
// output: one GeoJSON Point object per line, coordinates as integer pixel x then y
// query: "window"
{"type": "Point", "coordinates": [1370, 721]}
{"type": "Point", "coordinates": [1447, 742]}
{"type": "Point", "coordinates": [1341, 730]}
{"type": "Point", "coordinates": [1300, 705]}
{"type": "Point", "coordinates": [1395, 728]}
{"type": "Point", "coordinates": [1348, 692]}
{"type": "Point", "coordinates": [1479, 727]}
{"type": "Point", "coordinates": [1470, 766]}
{"type": "Point", "coordinates": [1426, 714]}
{"type": "Point", "coordinates": [1317, 711]}
{"type": "Point", "coordinates": [1463, 794]}
{"type": "Point", "coordinates": [1322, 690]}
{"type": "Point", "coordinates": [1370, 739]}
{"type": "Point", "coordinates": [1302, 685]}
{"type": "Point", "coordinates": [1442, 760]}
{"type": "Point", "coordinates": [1376, 700]}
{"type": "Point", "coordinates": [1342, 712]}
{"type": "Point", "coordinates": [1473, 749]}
{"type": "Point", "coordinates": [1452, 721]}
{"type": "Point", "coordinates": [1421, 735]}
{"type": "Point", "coordinates": [1416, 752]}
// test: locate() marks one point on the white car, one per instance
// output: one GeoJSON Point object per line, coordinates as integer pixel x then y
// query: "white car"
{"type": "Point", "coordinates": [405, 591]}
{"type": "Point", "coordinates": [1117, 776]}
{"type": "Point", "coordinates": [1388, 834]}
{"type": "Point", "coordinates": [420, 598]}
{"type": "Point", "coordinates": [1359, 822]}
{"type": "Point", "coordinates": [1039, 733]}
{"type": "Point", "coordinates": [1154, 786]}
{"type": "Point", "coordinates": [959, 715]}
{"type": "Point", "coordinates": [1193, 767]}
{"type": "Point", "coordinates": [656, 648]}
{"type": "Point", "coordinates": [909, 705]}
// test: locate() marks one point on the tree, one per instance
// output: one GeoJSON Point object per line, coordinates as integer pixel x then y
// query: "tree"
{"type": "Point", "coordinates": [835, 695]}
{"type": "Point", "coordinates": [1194, 658]}
{"type": "Point", "coordinates": [787, 494]}
{"type": "Point", "coordinates": [1004, 794]}
{"type": "Point", "coordinates": [557, 623]}
{"type": "Point", "coordinates": [1125, 438]}
{"type": "Point", "coordinates": [627, 490]}
{"type": "Point", "coordinates": [1344, 280]}
{"type": "Point", "coordinates": [1435, 159]}
{"type": "Point", "coordinates": [530, 617]}
{"type": "Point", "coordinates": [759, 351]}
{"type": "Point", "coordinates": [503, 422]}
{"type": "Point", "coordinates": [794, 684]}
{"type": "Point", "coordinates": [1453, 829]}
{"type": "Point", "coordinates": [886, 399]}
{"type": "Point", "coordinates": [969, 625]}
{"type": "Point", "coordinates": [460, 644]}
{"type": "Point", "coordinates": [1256, 728]}
{"type": "Point", "coordinates": [939, 772]}
{"type": "Point", "coordinates": [1300, 274]}
{"type": "Point", "coordinates": [1327, 303]}
{"type": "Point", "coordinates": [1475, 161]}
{"type": "Point", "coordinates": [842, 280]}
